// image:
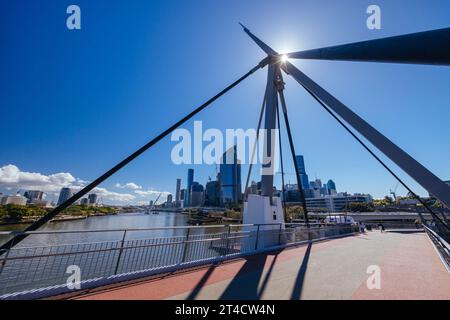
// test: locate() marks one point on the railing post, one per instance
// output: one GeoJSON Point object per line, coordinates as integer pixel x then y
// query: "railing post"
{"type": "Point", "coordinates": [228, 240]}
{"type": "Point", "coordinates": [257, 238]}
{"type": "Point", "coordinates": [120, 251]}
{"type": "Point", "coordinates": [186, 245]}
{"type": "Point", "coordinates": [279, 234]}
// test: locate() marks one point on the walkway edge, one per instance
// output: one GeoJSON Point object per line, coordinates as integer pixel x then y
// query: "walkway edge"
{"type": "Point", "coordinates": [54, 291]}
{"type": "Point", "coordinates": [441, 257]}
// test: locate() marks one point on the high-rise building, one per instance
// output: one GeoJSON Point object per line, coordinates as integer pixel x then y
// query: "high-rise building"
{"type": "Point", "coordinates": [32, 195]}
{"type": "Point", "coordinates": [64, 195]}
{"type": "Point", "coordinates": [169, 199]}
{"type": "Point", "coordinates": [230, 177]}
{"type": "Point", "coordinates": [302, 171]}
{"type": "Point", "coordinates": [318, 183]}
{"type": "Point", "coordinates": [331, 186]}
{"type": "Point", "coordinates": [293, 194]}
{"type": "Point", "coordinates": [212, 194]}
{"type": "Point", "coordinates": [92, 199]}
{"type": "Point", "coordinates": [84, 201]}
{"type": "Point", "coordinates": [177, 193]}
{"type": "Point", "coordinates": [190, 180]}
{"type": "Point", "coordinates": [196, 195]}
{"type": "Point", "coordinates": [316, 188]}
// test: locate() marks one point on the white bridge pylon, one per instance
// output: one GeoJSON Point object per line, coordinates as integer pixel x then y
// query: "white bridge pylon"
{"type": "Point", "coordinates": [386, 50]}
{"type": "Point", "coordinates": [266, 208]}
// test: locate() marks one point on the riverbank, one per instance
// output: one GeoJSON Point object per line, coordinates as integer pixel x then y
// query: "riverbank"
{"type": "Point", "coordinates": [60, 218]}
{"type": "Point", "coordinates": [201, 217]}
{"type": "Point", "coordinates": [16, 214]}
{"type": "Point", "coordinates": [136, 220]}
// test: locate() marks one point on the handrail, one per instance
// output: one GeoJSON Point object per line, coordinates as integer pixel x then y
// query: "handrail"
{"type": "Point", "coordinates": [47, 264]}
{"type": "Point", "coordinates": [438, 237]}
{"type": "Point", "coordinates": [143, 229]}
{"type": "Point", "coordinates": [149, 245]}
{"type": "Point", "coordinates": [13, 233]}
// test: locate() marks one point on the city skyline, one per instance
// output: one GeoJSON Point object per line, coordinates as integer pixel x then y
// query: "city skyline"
{"type": "Point", "coordinates": [83, 149]}
{"type": "Point", "coordinates": [317, 184]}
{"type": "Point", "coordinates": [227, 189]}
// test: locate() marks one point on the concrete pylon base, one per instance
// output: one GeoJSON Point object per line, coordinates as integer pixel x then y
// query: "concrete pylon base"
{"type": "Point", "coordinates": [259, 210]}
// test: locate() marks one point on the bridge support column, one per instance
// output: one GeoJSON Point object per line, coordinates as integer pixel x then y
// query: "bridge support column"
{"type": "Point", "coordinates": [265, 209]}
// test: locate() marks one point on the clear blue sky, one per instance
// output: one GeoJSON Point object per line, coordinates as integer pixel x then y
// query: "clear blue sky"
{"type": "Point", "coordinates": [80, 101]}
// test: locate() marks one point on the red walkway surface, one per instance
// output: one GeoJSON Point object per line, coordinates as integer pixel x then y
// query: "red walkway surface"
{"type": "Point", "coordinates": [336, 269]}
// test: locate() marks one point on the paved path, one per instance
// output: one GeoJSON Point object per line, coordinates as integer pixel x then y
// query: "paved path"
{"type": "Point", "coordinates": [335, 269]}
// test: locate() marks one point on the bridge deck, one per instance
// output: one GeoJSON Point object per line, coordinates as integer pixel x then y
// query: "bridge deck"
{"type": "Point", "coordinates": [335, 269]}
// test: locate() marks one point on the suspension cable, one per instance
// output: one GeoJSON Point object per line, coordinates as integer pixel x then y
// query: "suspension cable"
{"type": "Point", "coordinates": [123, 163]}
{"type": "Point", "coordinates": [435, 217]}
{"type": "Point", "coordinates": [263, 107]}
{"type": "Point", "coordinates": [254, 147]}
{"type": "Point", "coordinates": [280, 85]}
{"type": "Point", "coordinates": [283, 199]}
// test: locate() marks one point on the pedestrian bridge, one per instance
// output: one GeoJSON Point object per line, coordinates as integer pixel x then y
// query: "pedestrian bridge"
{"type": "Point", "coordinates": [290, 261]}
{"type": "Point", "coordinates": [410, 268]}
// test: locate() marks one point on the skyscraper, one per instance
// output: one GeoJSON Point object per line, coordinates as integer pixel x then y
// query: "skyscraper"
{"type": "Point", "coordinates": [178, 193]}
{"type": "Point", "coordinates": [230, 177]}
{"type": "Point", "coordinates": [331, 186]}
{"type": "Point", "coordinates": [196, 195]}
{"type": "Point", "coordinates": [190, 180]}
{"type": "Point", "coordinates": [92, 199]}
{"type": "Point", "coordinates": [64, 195]}
{"type": "Point", "coordinates": [183, 193]}
{"type": "Point", "coordinates": [33, 195]}
{"type": "Point", "coordinates": [212, 194]}
{"type": "Point", "coordinates": [302, 171]}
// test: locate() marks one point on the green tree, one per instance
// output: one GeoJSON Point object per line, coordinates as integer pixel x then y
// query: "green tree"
{"type": "Point", "coordinates": [294, 212]}
{"type": "Point", "coordinates": [3, 212]}
{"type": "Point", "coordinates": [16, 212]}
{"type": "Point", "coordinates": [361, 207]}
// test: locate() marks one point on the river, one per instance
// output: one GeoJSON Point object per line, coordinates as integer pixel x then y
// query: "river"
{"type": "Point", "coordinates": [41, 260]}
{"type": "Point", "coordinates": [135, 220]}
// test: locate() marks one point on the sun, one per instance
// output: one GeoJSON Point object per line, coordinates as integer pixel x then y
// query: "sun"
{"type": "Point", "coordinates": [284, 58]}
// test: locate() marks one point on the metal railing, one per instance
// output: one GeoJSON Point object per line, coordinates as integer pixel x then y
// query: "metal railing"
{"type": "Point", "coordinates": [442, 246]}
{"type": "Point", "coordinates": [30, 268]}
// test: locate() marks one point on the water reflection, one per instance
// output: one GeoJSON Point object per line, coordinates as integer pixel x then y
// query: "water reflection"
{"type": "Point", "coordinates": [136, 220]}
{"type": "Point", "coordinates": [41, 260]}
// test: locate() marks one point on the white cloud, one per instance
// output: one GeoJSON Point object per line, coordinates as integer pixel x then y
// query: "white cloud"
{"type": "Point", "coordinates": [114, 196]}
{"type": "Point", "coordinates": [11, 177]}
{"type": "Point", "coordinates": [151, 193]}
{"type": "Point", "coordinates": [129, 185]}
